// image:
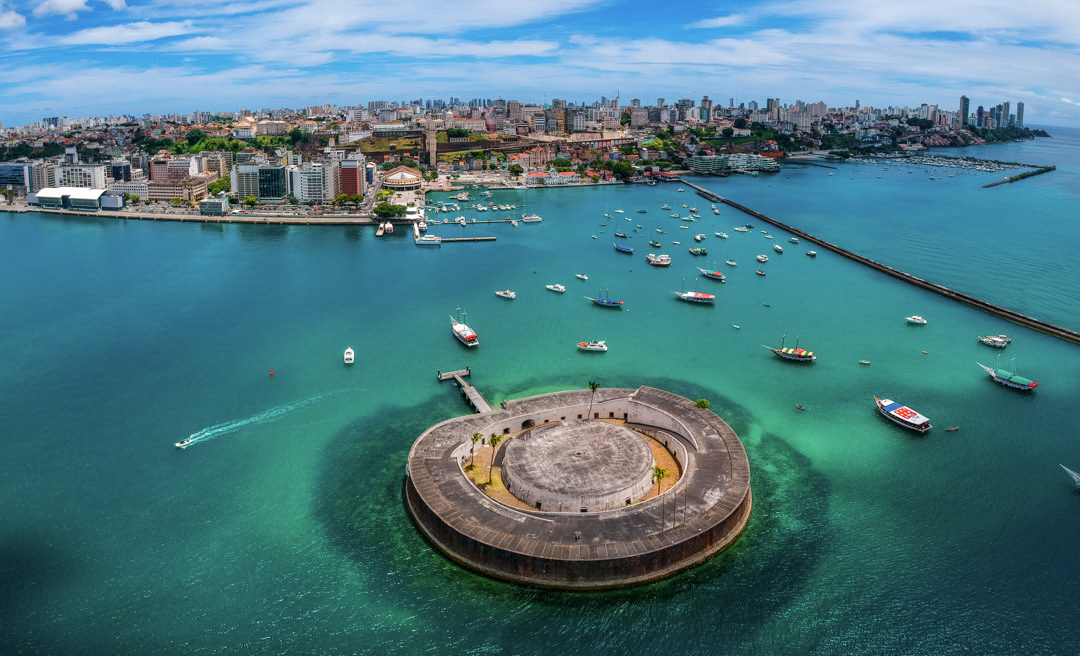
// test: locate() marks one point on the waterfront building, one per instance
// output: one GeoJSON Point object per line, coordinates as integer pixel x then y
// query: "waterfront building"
{"type": "Point", "coordinates": [120, 171]}
{"type": "Point", "coordinates": [214, 205]}
{"type": "Point", "coordinates": [90, 176]}
{"type": "Point", "coordinates": [17, 175]}
{"type": "Point", "coordinates": [190, 189]}
{"type": "Point", "coordinates": [315, 181]}
{"type": "Point", "coordinates": [72, 198]}
{"type": "Point", "coordinates": [402, 178]}
{"type": "Point", "coordinates": [352, 174]}
{"type": "Point", "coordinates": [42, 175]}
{"type": "Point", "coordinates": [1020, 114]}
{"type": "Point", "coordinates": [139, 189]}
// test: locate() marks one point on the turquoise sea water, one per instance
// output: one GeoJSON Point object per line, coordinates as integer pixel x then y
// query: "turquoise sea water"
{"type": "Point", "coordinates": [284, 530]}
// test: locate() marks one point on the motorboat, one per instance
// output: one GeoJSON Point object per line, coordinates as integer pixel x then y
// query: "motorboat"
{"type": "Point", "coordinates": [997, 341]}
{"type": "Point", "coordinates": [530, 218]}
{"type": "Point", "coordinates": [556, 288]}
{"type": "Point", "coordinates": [794, 240]}
{"type": "Point", "coordinates": [582, 276]}
{"type": "Point", "coordinates": [722, 235]}
{"type": "Point", "coordinates": [760, 272]}
{"type": "Point", "coordinates": [698, 251]}
{"type": "Point", "coordinates": [428, 240]}
{"type": "Point", "coordinates": [595, 345]}
{"type": "Point", "coordinates": [506, 293]}
{"type": "Point", "coordinates": [778, 248]}
{"type": "Point", "coordinates": [641, 211]}
{"type": "Point", "coordinates": [681, 190]}
{"type": "Point", "coordinates": [350, 355]}
{"type": "Point", "coordinates": [731, 263]}
{"type": "Point", "coordinates": [916, 319]}
{"type": "Point", "coordinates": [623, 235]}
{"type": "Point", "coordinates": [665, 206]}
{"type": "Point", "coordinates": [654, 243]}
{"type": "Point", "coordinates": [811, 253]}
{"type": "Point", "coordinates": [903, 415]}
{"type": "Point", "coordinates": [695, 297]}
{"type": "Point", "coordinates": [699, 237]}
{"type": "Point", "coordinates": [388, 228]}
{"type": "Point", "coordinates": [658, 260]}
{"type": "Point", "coordinates": [464, 334]}
{"type": "Point", "coordinates": [762, 258]}
{"type": "Point", "coordinates": [183, 444]}
{"type": "Point", "coordinates": [769, 237]}
{"type": "Point", "coordinates": [619, 212]}
{"type": "Point", "coordinates": [742, 229]}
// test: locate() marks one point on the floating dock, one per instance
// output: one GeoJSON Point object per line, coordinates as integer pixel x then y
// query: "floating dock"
{"type": "Point", "coordinates": [1005, 313]}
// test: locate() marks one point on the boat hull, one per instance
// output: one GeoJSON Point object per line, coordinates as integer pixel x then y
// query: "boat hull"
{"type": "Point", "coordinates": [902, 415]}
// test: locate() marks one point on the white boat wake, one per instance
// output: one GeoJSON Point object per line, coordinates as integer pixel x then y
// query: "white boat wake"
{"type": "Point", "coordinates": [226, 428]}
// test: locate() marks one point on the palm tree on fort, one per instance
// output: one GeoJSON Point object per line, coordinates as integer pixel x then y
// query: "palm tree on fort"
{"type": "Point", "coordinates": [476, 437]}
{"type": "Point", "coordinates": [658, 475]}
{"type": "Point", "coordinates": [494, 440]}
{"type": "Point", "coordinates": [593, 385]}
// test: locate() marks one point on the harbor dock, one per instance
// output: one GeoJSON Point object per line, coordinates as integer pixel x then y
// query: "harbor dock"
{"type": "Point", "coordinates": [1004, 313]}
{"type": "Point", "coordinates": [475, 399]}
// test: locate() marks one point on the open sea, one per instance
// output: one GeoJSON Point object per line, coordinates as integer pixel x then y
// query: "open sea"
{"type": "Point", "coordinates": [283, 529]}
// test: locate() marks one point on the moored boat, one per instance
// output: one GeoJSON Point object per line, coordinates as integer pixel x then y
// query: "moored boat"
{"type": "Point", "coordinates": [428, 240]}
{"type": "Point", "coordinates": [1071, 473]}
{"type": "Point", "coordinates": [811, 253]}
{"type": "Point", "coordinates": [997, 341]}
{"type": "Point", "coordinates": [760, 272]}
{"type": "Point", "coordinates": [595, 345]}
{"type": "Point", "coordinates": [621, 234]}
{"type": "Point", "coordinates": [530, 218]}
{"type": "Point", "coordinates": [462, 332]}
{"type": "Point", "coordinates": [1009, 378]}
{"type": "Point", "coordinates": [506, 293]}
{"type": "Point", "coordinates": [605, 302]}
{"type": "Point", "coordinates": [350, 355]}
{"type": "Point", "coordinates": [658, 260]}
{"type": "Point", "coordinates": [742, 229]}
{"type": "Point", "coordinates": [722, 235]}
{"type": "Point", "coordinates": [795, 354]}
{"type": "Point", "coordinates": [556, 288]}
{"type": "Point", "coordinates": [794, 240]}
{"type": "Point", "coordinates": [698, 251]}
{"type": "Point", "coordinates": [778, 248]}
{"type": "Point", "coordinates": [654, 243]}
{"type": "Point", "coordinates": [763, 258]}
{"type": "Point", "coordinates": [731, 263]}
{"type": "Point", "coordinates": [582, 276]}
{"type": "Point", "coordinates": [902, 415]}
{"type": "Point", "coordinates": [624, 249]}
{"type": "Point", "coordinates": [715, 275]}
{"type": "Point", "coordinates": [916, 319]}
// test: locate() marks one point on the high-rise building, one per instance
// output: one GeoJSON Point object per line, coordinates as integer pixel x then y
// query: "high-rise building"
{"type": "Point", "coordinates": [965, 110]}
{"type": "Point", "coordinates": [980, 116]}
{"type": "Point", "coordinates": [1003, 113]}
{"type": "Point", "coordinates": [1019, 114]}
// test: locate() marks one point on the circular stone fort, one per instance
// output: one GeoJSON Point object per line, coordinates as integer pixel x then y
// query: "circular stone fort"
{"type": "Point", "coordinates": [582, 508]}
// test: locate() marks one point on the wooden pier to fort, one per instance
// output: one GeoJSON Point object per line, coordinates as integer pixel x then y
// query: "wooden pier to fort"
{"type": "Point", "coordinates": [1004, 313]}
{"type": "Point", "coordinates": [472, 395]}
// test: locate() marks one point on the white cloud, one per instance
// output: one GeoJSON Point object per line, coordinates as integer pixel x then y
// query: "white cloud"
{"type": "Point", "coordinates": [721, 21]}
{"type": "Point", "coordinates": [61, 7]}
{"type": "Point", "coordinates": [10, 20]}
{"type": "Point", "coordinates": [125, 34]}
{"type": "Point", "coordinates": [117, 4]}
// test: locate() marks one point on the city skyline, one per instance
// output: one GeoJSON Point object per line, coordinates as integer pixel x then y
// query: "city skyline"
{"type": "Point", "coordinates": [106, 57]}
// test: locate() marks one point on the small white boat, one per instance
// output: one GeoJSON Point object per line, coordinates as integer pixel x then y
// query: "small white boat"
{"type": "Point", "coordinates": [997, 341]}
{"type": "Point", "coordinates": [811, 253]}
{"type": "Point", "coordinates": [742, 229]}
{"type": "Point", "coordinates": [506, 293]}
{"type": "Point", "coordinates": [699, 237]}
{"type": "Point", "coordinates": [722, 235]}
{"type": "Point", "coordinates": [769, 237]}
{"type": "Point", "coordinates": [794, 240]}
{"type": "Point", "coordinates": [916, 319]}
{"type": "Point", "coordinates": [778, 248]}
{"type": "Point", "coordinates": [350, 355]}
{"type": "Point", "coordinates": [582, 276]}
{"type": "Point", "coordinates": [762, 258]}
{"type": "Point", "coordinates": [185, 443]}
{"type": "Point", "coordinates": [681, 190]}
{"type": "Point", "coordinates": [556, 288]}
{"type": "Point", "coordinates": [731, 263]}
{"type": "Point", "coordinates": [595, 345]}
{"type": "Point", "coordinates": [619, 212]}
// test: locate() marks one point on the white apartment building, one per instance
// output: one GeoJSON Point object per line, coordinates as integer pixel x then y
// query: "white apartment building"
{"type": "Point", "coordinates": [315, 181]}
{"type": "Point", "coordinates": [245, 180]}
{"type": "Point", "coordinates": [90, 176]}
{"type": "Point", "coordinates": [139, 189]}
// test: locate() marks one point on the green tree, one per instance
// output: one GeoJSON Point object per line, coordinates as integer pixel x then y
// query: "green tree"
{"type": "Point", "coordinates": [494, 440]}
{"type": "Point", "coordinates": [623, 169]}
{"type": "Point", "coordinates": [702, 403]}
{"type": "Point", "coordinates": [386, 210]}
{"type": "Point", "coordinates": [341, 199]}
{"type": "Point", "coordinates": [476, 437]}
{"type": "Point", "coordinates": [457, 133]}
{"type": "Point", "coordinates": [135, 199]}
{"type": "Point", "coordinates": [740, 123]}
{"type": "Point", "coordinates": [217, 186]}
{"type": "Point", "coordinates": [658, 475]}
{"type": "Point", "coordinates": [728, 132]}
{"type": "Point", "coordinates": [356, 199]}
{"type": "Point", "coordinates": [293, 200]}
{"type": "Point", "coordinates": [250, 201]}
{"type": "Point", "coordinates": [593, 386]}
{"type": "Point", "coordinates": [194, 136]}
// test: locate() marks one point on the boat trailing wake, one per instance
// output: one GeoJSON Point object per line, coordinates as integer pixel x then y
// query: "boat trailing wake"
{"type": "Point", "coordinates": [226, 428]}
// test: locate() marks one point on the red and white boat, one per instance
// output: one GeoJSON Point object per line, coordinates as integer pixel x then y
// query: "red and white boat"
{"type": "Point", "coordinates": [715, 275]}
{"type": "Point", "coordinates": [595, 345]}
{"type": "Point", "coordinates": [658, 260]}
{"type": "Point", "coordinates": [464, 334]}
{"type": "Point", "coordinates": [695, 297]}
{"type": "Point", "coordinates": [903, 415]}
{"type": "Point", "coordinates": [506, 293]}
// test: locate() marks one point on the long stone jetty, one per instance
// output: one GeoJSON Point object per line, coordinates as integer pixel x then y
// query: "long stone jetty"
{"type": "Point", "coordinates": [998, 311]}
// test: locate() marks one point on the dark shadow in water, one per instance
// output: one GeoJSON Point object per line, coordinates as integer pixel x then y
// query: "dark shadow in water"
{"type": "Point", "coordinates": [32, 569]}
{"type": "Point", "coordinates": [355, 233]}
{"type": "Point", "coordinates": [722, 602]}
{"type": "Point", "coordinates": [262, 231]}
{"type": "Point", "coordinates": [212, 227]}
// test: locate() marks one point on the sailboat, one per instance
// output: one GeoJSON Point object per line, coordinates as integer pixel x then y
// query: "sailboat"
{"type": "Point", "coordinates": [1009, 378]}
{"type": "Point", "coordinates": [796, 354]}
{"type": "Point", "coordinates": [1075, 476]}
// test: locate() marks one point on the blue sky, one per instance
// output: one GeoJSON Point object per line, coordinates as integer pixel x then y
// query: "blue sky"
{"type": "Point", "coordinates": [102, 57]}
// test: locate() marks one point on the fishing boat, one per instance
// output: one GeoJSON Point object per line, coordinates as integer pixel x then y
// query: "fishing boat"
{"type": "Point", "coordinates": [581, 276]}
{"type": "Point", "coordinates": [695, 297]}
{"type": "Point", "coordinates": [997, 341]}
{"type": "Point", "coordinates": [698, 251]}
{"type": "Point", "coordinates": [811, 253]}
{"type": "Point", "coordinates": [350, 355]}
{"type": "Point", "coordinates": [778, 248]}
{"type": "Point", "coordinates": [715, 275]}
{"type": "Point", "coordinates": [1074, 475]}
{"type": "Point", "coordinates": [621, 234]}
{"type": "Point", "coordinates": [595, 345]}
{"type": "Point", "coordinates": [605, 302]}
{"type": "Point", "coordinates": [464, 334]}
{"type": "Point", "coordinates": [530, 218]}
{"type": "Point", "coordinates": [795, 354]}
{"type": "Point", "coordinates": [915, 319]}
{"type": "Point", "coordinates": [654, 243]}
{"type": "Point", "coordinates": [188, 442]}
{"type": "Point", "coordinates": [760, 272]}
{"type": "Point", "coordinates": [722, 235]}
{"type": "Point", "coordinates": [428, 240]}
{"type": "Point", "coordinates": [1009, 378]}
{"type": "Point", "coordinates": [556, 288]}
{"type": "Point", "coordinates": [506, 293]}
{"type": "Point", "coordinates": [731, 263]}
{"type": "Point", "coordinates": [762, 258]}
{"type": "Point", "coordinates": [903, 415]}
{"type": "Point", "coordinates": [658, 260]}
{"type": "Point", "coordinates": [624, 249]}
{"type": "Point", "coordinates": [952, 428]}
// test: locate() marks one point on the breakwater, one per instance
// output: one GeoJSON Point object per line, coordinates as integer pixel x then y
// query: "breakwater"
{"type": "Point", "coordinates": [979, 304]}
{"type": "Point", "coordinates": [1025, 174]}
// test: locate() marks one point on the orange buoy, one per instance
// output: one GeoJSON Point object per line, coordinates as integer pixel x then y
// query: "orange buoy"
{"type": "Point", "coordinates": [271, 373]}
